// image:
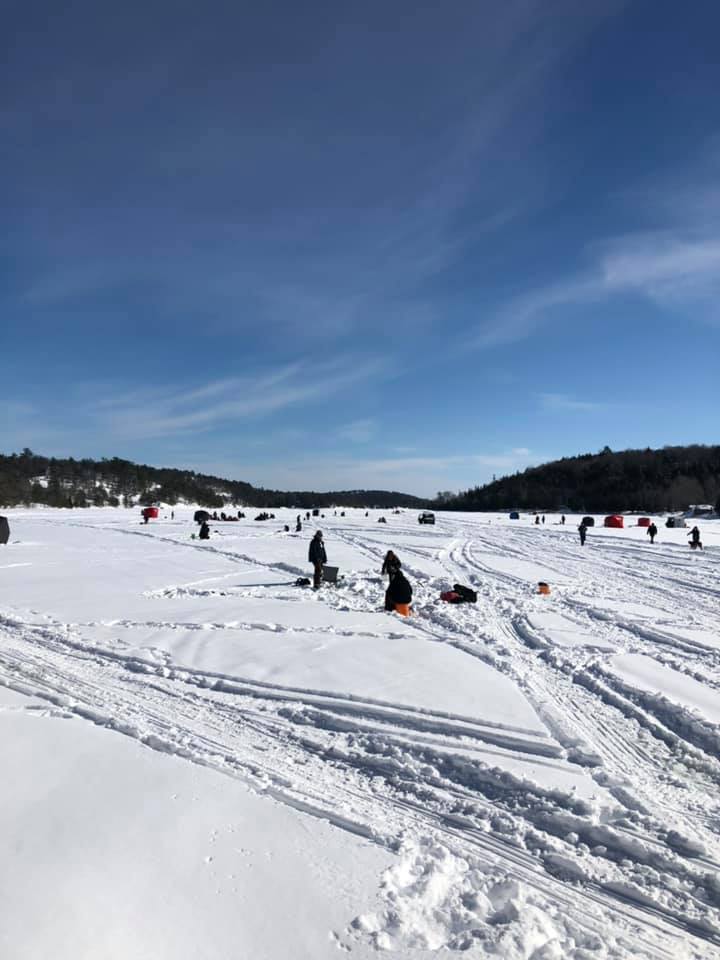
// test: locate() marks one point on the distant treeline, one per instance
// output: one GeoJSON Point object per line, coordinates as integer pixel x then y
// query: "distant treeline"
{"type": "Point", "coordinates": [605, 482]}
{"type": "Point", "coordinates": [27, 478]}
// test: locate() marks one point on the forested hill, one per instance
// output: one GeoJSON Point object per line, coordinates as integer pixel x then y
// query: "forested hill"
{"type": "Point", "coordinates": [27, 478]}
{"type": "Point", "coordinates": [605, 482]}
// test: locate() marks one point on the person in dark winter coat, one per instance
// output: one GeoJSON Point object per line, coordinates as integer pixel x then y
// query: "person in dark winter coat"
{"type": "Point", "coordinates": [582, 530]}
{"type": "Point", "coordinates": [695, 542]}
{"type": "Point", "coordinates": [317, 557]}
{"type": "Point", "coordinates": [398, 591]}
{"type": "Point", "coordinates": [391, 564]}
{"type": "Point", "coordinates": [204, 531]}
{"type": "Point", "coordinates": [652, 532]}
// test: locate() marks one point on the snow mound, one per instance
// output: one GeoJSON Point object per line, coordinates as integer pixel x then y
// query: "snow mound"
{"type": "Point", "coordinates": [436, 899]}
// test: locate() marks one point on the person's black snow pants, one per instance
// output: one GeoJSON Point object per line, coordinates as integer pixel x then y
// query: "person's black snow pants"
{"type": "Point", "coordinates": [317, 575]}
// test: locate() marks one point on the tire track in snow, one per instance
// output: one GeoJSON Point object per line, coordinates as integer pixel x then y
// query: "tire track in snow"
{"type": "Point", "coordinates": [329, 750]}
{"type": "Point", "coordinates": [212, 728]}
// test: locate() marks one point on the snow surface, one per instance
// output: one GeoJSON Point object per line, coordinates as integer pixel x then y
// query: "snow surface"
{"type": "Point", "coordinates": [203, 760]}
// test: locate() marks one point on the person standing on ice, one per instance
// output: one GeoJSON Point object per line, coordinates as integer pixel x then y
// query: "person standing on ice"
{"type": "Point", "coordinates": [582, 530]}
{"type": "Point", "coordinates": [317, 557]}
{"type": "Point", "coordinates": [204, 531]}
{"type": "Point", "coordinates": [695, 542]}
{"type": "Point", "coordinates": [652, 532]}
{"type": "Point", "coordinates": [562, 519]}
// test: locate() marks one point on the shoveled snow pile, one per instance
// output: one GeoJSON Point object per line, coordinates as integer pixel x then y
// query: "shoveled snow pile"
{"type": "Point", "coordinates": [202, 759]}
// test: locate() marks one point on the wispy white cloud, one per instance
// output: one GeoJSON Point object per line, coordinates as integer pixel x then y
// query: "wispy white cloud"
{"type": "Point", "coordinates": [560, 402]}
{"type": "Point", "coordinates": [340, 258]}
{"type": "Point", "coordinates": [667, 267]}
{"type": "Point", "coordinates": [233, 399]}
{"type": "Point", "coordinates": [517, 319]}
{"type": "Point", "coordinates": [422, 475]}
{"type": "Point", "coordinates": [96, 417]}
{"type": "Point", "coordinates": [503, 461]}
{"type": "Point", "coordinates": [358, 431]}
{"type": "Point", "coordinates": [676, 266]}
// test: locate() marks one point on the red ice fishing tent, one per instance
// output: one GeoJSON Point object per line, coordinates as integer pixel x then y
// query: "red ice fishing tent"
{"type": "Point", "coordinates": [614, 520]}
{"type": "Point", "coordinates": [643, 521]}
{"type": "Point", "coordinates": [151, 513]}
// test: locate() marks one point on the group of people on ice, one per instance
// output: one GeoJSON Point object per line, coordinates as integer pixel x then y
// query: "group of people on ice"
{"type": "Point", "coordinates": [652, 532]}
{"type": "Point", "coordinates": [398, 595]}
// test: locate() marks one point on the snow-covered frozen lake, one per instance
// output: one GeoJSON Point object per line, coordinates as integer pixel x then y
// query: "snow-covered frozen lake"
{"type": "Point", "coordinates": [202, 760]}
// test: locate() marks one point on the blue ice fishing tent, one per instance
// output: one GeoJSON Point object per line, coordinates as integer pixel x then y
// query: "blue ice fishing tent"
{"type": "Point", "coordinates": [514, 515]}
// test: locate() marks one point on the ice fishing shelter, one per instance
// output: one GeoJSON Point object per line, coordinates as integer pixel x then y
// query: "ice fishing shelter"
{"type": "Point", "coordinates": [675, 522]}
{"type": "Point", "coordinates": [588, 521]}
{"type": "Point", "coordinates": [614, 520]}
{"type": "Point", "coordinates": [201, 516]}
{"type": "Point", "coordinates": [151, 513]}
{"type": "Point", "coordinates": [4, 530]}
{"type": "Point", "coordinates": [514, 515]}
{"type": "Point", "coordinates": [643, 521]}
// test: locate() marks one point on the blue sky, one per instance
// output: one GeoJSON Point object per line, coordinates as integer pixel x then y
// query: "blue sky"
{"type": "Point", "coordinates": [330, 245]}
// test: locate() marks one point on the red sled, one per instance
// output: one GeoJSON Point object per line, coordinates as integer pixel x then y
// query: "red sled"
{"type": "Point", "coordinates": [449, 596]}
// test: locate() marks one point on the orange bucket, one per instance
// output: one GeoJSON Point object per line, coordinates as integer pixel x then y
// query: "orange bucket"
{"type": "Point", "coordinates": [403, 609]}
{"type": "Point", "coordinates": [543, 587]}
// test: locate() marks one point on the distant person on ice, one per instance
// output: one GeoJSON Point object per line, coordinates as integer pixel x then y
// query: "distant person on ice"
{"type": "Point", "coordinates": [317, 557]}
{"type": "Point", "coordinates": [695, 542]}
{"type": "Point", "coordinates": [562, 519]}
{"type": "Point", "coordinates": [204, 531]}
{"type": "Point", "coordinates": [537, 519]}
{"type": "Point", "coordinates": [652, 532]}
{"type": "Point", "coordinates": [399, 591]}
{"type": "Point", "coordinates": [391, 564]}
{"type": "Point", "coordinates": [582, 530]}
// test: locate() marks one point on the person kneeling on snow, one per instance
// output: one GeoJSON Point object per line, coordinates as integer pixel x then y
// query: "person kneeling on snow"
{"type": "Point", "coordinates": [399, 591]}
{"type": "Point", "coordinates": [317, 557]}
